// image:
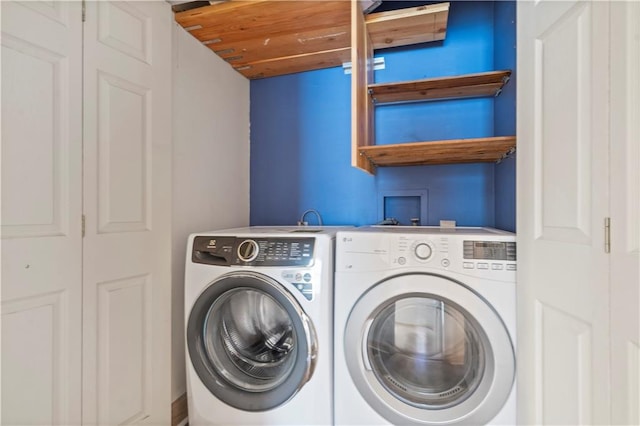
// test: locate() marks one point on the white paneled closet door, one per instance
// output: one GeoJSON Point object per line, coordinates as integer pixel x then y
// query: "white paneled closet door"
{"type": "Point", "coordinates": [127, 206]}
{"type": "Point", "coordinates": [578, 157]}
{"type": "Point", "coordinates": [86, 321]}
{"type": "Point", "coordinates": [41, 212]}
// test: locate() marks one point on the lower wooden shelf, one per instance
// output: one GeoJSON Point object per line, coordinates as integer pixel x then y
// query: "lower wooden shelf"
{"type": "Point", "coordinates": [439, 152]}
{"type": "Point", "coordinates": [453, 87]}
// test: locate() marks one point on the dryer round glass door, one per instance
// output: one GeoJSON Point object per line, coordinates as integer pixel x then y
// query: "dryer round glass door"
{"type": "Point", "coordinates": [250, 342]}
{"type": "Point", "coordinates": [424, 349]}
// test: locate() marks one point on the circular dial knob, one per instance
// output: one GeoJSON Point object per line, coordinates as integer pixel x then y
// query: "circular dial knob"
{"type": "Point", "coordinates": [248, 250]}
{"type": "Point", "coordinates": [422, 251]}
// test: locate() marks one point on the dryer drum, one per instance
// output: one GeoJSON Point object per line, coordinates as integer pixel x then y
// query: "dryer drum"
{"type": "Point", "coordinates": [425, 349]}
{"type": "Point", "coordinates": [426, 352]}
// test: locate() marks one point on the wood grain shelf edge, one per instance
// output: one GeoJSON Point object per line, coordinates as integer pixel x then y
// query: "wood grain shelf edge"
{"type": "Point", "coordinates": [453, 151]}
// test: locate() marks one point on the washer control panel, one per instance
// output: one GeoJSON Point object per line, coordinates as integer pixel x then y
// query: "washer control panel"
{"type": "Point", "coordinates": [250, 251]}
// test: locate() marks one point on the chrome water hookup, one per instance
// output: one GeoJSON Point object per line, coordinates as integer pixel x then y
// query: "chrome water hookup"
{"type": "Point", "coordinates": [302, 222]}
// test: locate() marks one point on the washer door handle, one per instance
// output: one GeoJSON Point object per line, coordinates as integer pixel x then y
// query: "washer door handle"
{"type": "Point", "coordinates": [312, 344]}
{"type": "Point", "coordinates": [365, 339]}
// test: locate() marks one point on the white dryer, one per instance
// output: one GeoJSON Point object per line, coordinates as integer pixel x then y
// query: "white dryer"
{"type": "Point", "coordinates": [259, 321]}
{"type": "Point", "coordinates": [425, 326]}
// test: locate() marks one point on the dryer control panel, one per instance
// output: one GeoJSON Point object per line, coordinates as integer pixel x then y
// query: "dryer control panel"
{"type": "Point", "coordinates": [253, 251]}
{"type": "Point", "coordinates": [474, 252]}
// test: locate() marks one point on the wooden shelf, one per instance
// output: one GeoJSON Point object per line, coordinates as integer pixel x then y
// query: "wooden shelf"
{"type": "Point", "coordinates": [408, 26]}
{"type": "Point", "coordinates": [439, 152]}
{"type": "Point", "coordinates": [456, 87]}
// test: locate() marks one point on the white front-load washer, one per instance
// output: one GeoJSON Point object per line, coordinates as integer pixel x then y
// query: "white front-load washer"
{"type": "Point", "coordinates": [425, 326]}
{"type": "Point", "coordinates": [259, 326]}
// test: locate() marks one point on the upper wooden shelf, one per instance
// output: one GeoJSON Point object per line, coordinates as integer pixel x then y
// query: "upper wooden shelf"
{"type": "Point", "coordinates": [408, 26]}
{"type": "Point", "coordinates": [439, 152]}
{"type": "Point", "coordinates": [464, 86]}
{"type": "Point", "coordinates": [266, 38]}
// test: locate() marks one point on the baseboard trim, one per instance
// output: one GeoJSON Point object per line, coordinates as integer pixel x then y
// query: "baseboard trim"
{"type": "Point", "coordinates": [179, 410]}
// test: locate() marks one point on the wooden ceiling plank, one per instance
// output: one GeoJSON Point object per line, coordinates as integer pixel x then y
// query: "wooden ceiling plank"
{"type": "Point", "coordinates": [214, 9]}
{"type": "Point", "coordinates": [295, 64]}
{"type": "Point", "coordinates": [268, 20]}
{"type": "Point", "coordinates": [253, 50]}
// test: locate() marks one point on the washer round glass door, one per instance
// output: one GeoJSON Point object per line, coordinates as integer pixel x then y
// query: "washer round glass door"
{"type": "Point", "coordinates": [423, 349]}
{"type": "Point", "coordinates": [250, 342]}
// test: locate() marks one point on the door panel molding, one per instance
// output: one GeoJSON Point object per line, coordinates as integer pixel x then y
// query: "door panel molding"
{"type": "Point", "coordinates": [55, 10]}
{"type": "Point", "coordinates": [631, 129]}
{"type": "Point", "coordinates": [563, 349]}
{"type": "Point", "coordinates": [563, 94]}
{"type": "Point", "coordinates": [124, 145]}
{"type": "Point", "coordinates": [633, 383]}
{"type": "Point", "coordinates": [35, 175]}
{"type": "Point", "coordinates": [34, 328]}
{"type": "Point", "coordinates": [124, 373]}
{"type": "Point", "coordinates": [125, 29]}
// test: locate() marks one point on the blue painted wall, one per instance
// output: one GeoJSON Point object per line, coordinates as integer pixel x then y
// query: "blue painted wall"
{"type": "Point", "coordinates": [301, 130]}
{"type": "Point", "coordinates": [505, 113]}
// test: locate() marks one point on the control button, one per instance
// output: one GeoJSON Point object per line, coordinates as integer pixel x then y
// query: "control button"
{"type": "Point", "coordinates": [298, 276]}
{"type": "Point", "coordinates": [511, 267]}
{"type": "Point", "coordinates": [445, 262]}
{"type": "Point", "coordinates": [307, 277]}
{"type": "Point", "coordinates": [468, 265]}
{"type": "Point", "coordinates": [496, 266]}
{"type": "Point", "coordinates": [402, 260]}
{"type": "Point", "coordinates": [423, 251]}
{"type": "Point", "coordinates": [483, 266]}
